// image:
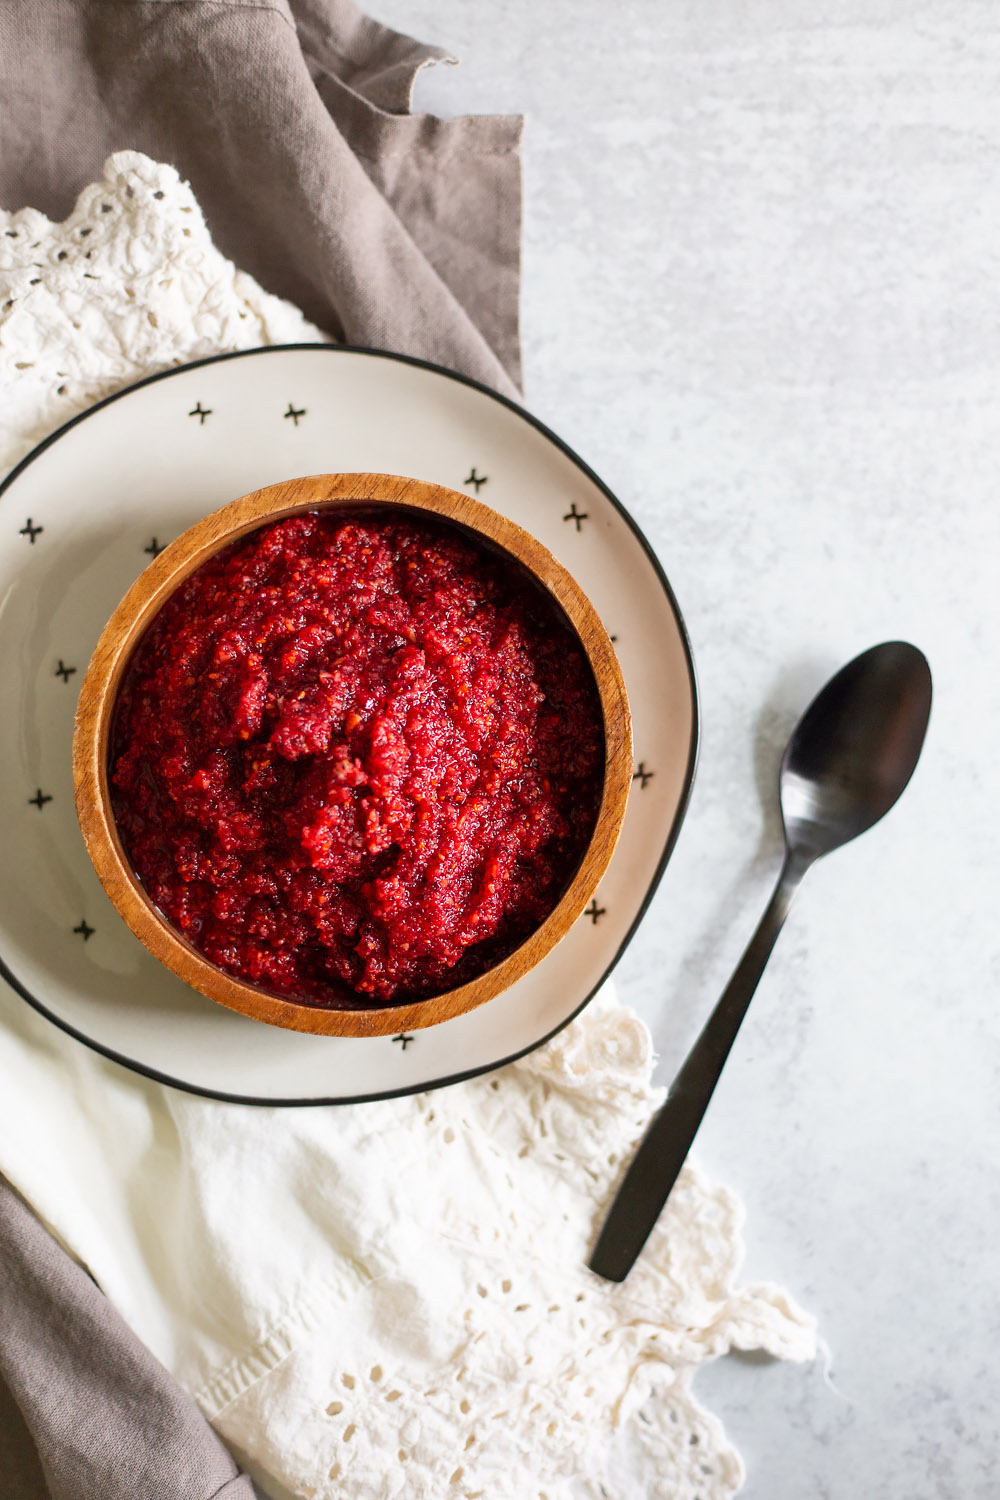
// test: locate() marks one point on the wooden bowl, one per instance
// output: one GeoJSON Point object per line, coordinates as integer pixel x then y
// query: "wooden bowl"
{"type": "Point", "coordinates": [143, 601]}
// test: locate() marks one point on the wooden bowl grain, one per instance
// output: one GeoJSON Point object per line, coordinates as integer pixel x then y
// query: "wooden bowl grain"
{"type": "Point", "coordinates": [143, 601]}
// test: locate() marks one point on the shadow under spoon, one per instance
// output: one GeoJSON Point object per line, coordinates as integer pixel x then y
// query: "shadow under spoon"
{"type": "Point", "coordinates": [847, 762]}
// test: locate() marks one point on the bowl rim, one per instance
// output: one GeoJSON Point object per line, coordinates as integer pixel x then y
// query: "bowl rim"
{"type": "Point", "coordinates": [127, 624]}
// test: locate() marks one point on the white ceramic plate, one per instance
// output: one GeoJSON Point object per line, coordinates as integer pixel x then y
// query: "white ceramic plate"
{"type": "Point", "coordinates": [81, 517]}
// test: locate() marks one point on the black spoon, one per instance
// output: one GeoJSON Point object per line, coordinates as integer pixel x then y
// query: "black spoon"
{"type": "Point", "coordinates": [848, 760]}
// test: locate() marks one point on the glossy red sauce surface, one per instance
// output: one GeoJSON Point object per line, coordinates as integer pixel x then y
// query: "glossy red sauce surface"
{"type": "Point", "coordinates": [360, 752]}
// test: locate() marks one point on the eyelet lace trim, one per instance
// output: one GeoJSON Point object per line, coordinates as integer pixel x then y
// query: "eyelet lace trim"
{"type": "Point", "coordinates": [129, 284]}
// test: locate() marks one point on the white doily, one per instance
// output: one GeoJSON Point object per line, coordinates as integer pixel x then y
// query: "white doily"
{"type": "Point", "coordinates": [389, 1299]}
{"type": "Point", "coordinates": [483, 1358]}
{"type": "Point", "coordinates": [130, 283]}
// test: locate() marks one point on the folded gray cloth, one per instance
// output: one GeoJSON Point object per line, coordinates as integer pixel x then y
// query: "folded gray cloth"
{"type": "Point", "coordinates": [91, 1414]}
{"type": "Point", "coordinates": [391, 231]}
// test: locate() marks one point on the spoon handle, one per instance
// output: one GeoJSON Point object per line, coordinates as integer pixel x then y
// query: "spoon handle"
{"type": "Point", "coordinates": [663, 1149]}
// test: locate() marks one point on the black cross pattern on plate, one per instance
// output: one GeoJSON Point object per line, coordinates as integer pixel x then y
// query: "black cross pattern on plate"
{"type": "Point", "coordinates": [63, 671]}
{"type": "Point", "coordinates": [201, 412]}
{"type": "Point", "coordinates": [39, 799]}
{"type": "Point", "coordinates": [85, 930]}
{"type": "Point", "coordinates": [476, 479]}
{"type": "Point", "coordinates": [294, 413]}
{"type": "Point", "coordinates": [594, 912]}
{"type": "Point", "coordinates": [30, 531]}
{"type": "Point", "coordinates": [154, 549]}
{"type": "Point", "coordinates": [641, 775]}
{"type": "Point", "coordinates": [404, 1040]}
{"type": "Point", "coordinates": [577, 516]}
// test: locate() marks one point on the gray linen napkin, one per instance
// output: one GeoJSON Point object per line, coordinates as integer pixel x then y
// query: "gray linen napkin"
{"type": "Point", "coordinates": [92, 1415]}
{"type": "Point", "coordinates": [391, 231]}
{"type": "Point", "coordinates": [290, 120]}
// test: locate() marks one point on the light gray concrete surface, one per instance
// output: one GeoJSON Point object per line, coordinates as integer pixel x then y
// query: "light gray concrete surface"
{"type": "Point", "coordinates": [762, 300]}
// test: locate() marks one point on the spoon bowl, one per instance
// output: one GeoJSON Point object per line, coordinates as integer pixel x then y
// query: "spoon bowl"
{"type": "Point", "coordinates": [855, 748]}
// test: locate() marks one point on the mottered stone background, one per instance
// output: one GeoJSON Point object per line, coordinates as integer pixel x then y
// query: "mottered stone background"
{"type": "Point", "coordinates": [761, 291]}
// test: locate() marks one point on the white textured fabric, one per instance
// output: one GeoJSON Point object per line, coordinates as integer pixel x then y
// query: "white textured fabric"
{"type": "Point", "coordinates": [388, 1299]}
{"type": "Point", "coordinates": [130, 283]}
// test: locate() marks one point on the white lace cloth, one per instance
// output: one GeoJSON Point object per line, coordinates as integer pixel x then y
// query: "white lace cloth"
{"type": "Point", "coordinates": [128, 284]}
{"type": "Point", "coordinates": [389, 1299]}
